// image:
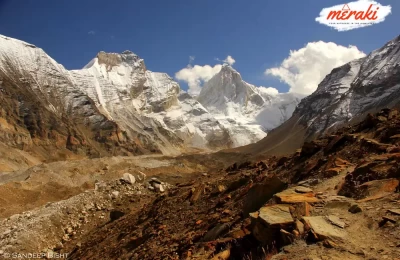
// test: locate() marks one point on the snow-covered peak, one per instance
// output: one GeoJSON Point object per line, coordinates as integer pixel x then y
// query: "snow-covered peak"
{"type": "Point", "coordinates": [228, 70]}
{"type": "Point", "coordinates": [226, 93]}
{"type": "Point", "coordinates": [11, 41]}
{"type": "Point", "coordinates": [338, 81]}
{"type": "Point", "coordinates": [242, 107]}
{"type": "Point", "coordinates": [356, 88]}
{"type": "Point", "coordinates": [149, 107]}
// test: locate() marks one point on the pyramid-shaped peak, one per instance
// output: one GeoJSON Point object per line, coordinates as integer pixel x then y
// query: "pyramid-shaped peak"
{"type": "Point", "coordinates": [228, 68]}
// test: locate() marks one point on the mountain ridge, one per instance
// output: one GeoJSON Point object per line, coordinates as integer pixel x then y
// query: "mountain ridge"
{"type": "Point", "coordinates": [345, 96]}
{"type": "Point", "coordinates": [115, 102]}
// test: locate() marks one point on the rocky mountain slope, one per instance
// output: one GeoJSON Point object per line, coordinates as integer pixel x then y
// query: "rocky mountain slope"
{"type": "Point", "coordinates": [150, 103]}
{"type": "Point", "coordinates": [246, 111]}
{"type": "Point", "coordinates": [320, 202]}
{"type": "Point", "coordinates": [346, 95]}
{"type": "Point", "coordinates": [43, 112]}
{"type": "Point", "coordinates": [114, 105]}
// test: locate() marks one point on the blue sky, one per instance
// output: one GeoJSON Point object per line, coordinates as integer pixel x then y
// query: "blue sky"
{"type": "Point", "coordinates": [259, 34]}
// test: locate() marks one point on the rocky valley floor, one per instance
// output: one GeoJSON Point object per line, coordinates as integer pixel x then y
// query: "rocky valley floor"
{"type": "Point", "coordinates": [336, 198]}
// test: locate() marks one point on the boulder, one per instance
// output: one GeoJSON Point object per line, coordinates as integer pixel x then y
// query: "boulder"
{"type": "Point", "coordinates": [268, 222]}
{"type": "Point", "coordinates": [355, 208]}
{"type": "Point", "coordinates": [275, 215]}
{"type": "Point", "coordinates": [260, 193]}
{"type": "Point", "coordinates": [128, 178]}
{"type": "Point", "coordinates": [322, 229]}
{"type": "Point", "coordinates": [114, 194]}
{"type": "Point", "coordinates": [377, 189]}
{"type": "Point", "coordinates": [156, 185]}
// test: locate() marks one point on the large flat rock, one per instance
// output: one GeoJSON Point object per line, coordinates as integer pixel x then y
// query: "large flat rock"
{"type": "Point", "coordinates": [291, 196]}
{"type": "Point", "coordinates": [276, 215]}
{"type": "Point", "coordinates": [323, 229]}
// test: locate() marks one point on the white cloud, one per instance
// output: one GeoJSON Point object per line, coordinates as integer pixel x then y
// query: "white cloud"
{"type": "Point", "coordinates": [269, 91]}
{"type": "Point", "coordinates": [229, 60]}
{"type": "Point", "coordinates": [91, 32]}
{"type": "Point", "coordinates": [305, 68]}
{"type": "Point", "coordinates": [196, 75]}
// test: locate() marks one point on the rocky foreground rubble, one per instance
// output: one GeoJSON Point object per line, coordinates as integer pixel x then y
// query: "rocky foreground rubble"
{"type": "Point", "coordinates": [47, 229]}
{"type": "Point", "coordinates": [336, 198]}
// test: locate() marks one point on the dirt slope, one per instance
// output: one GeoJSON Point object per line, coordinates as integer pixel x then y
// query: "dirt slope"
{"type": "Point", "coordinates": [350, 177]}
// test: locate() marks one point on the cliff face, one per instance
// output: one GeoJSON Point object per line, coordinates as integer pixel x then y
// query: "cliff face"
{"type": "Point", "coordinates": [345, 95]}
{"type": "Point", "coordinates": [113, 106]}
{"type": "Point", "coordinates": [43, 111]}
{"type": "Point", "coordinates": [245, 111]}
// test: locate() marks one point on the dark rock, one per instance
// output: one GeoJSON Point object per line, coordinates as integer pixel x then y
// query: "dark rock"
{"type": "Point", "coordinates": [355, 208]}
{"type": "Point", "coordinates": [260, 193]}
{"type": "Point", "coordinates": [217, 231]}
{"type": "Point", "coordinates": [310, 148]}
{"type": "Point", "coordinates": [286, 237]}
{"type": "Point", "coordinates": [116, 214]}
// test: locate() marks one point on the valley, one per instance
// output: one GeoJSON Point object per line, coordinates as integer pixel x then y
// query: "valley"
{"type": "Point", "coordinates": [115, 161]}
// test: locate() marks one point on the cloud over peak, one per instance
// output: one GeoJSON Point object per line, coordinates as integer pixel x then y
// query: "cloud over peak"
{"type": "Point", "coordinates": [305, 68]}
{"type": "Point", "coordinates": [229, 60]}
{"type": "Point", "coordinates": [196, 75]}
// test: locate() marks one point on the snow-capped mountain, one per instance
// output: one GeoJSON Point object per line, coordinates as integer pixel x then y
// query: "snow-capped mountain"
{"type": "Point", "coordinates": [41, 106]}
{"type": "Point", "coordinates": [245, 110]}
{"type": "Point", "coordinates": [113, 98]}
{"type": "Point", "coordinates": [149, 102]}
{"type": "Point", "coordinates": [345, 95]}
{"type": "Point", "coordinates": [354, 89]}
{"type": "Point", "coordinates": [115, 105]}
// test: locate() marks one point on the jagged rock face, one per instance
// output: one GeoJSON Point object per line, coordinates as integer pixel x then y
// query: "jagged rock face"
{"type": "Point", "coordinates": [245, 111]}
{"type": "Point", "coordinates": [345, 96]}
{"type": "Point", "coordinates": [114, 105]}
{"type": "Point", "coordinates": [354, 89]}
{"type": "Point", "coordinates": [328, 104]}
{"type": "Point", "coordinates": [149, 103]}
{"type": "Point", "coordinates": [227, 93]}
{"type": "Point", "coordinates": [41, 106]}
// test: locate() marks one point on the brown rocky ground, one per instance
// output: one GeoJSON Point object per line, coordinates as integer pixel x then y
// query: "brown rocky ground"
{"type": "Point", "coordinates": [356, 167]}
{"type": "Point", "coordinates": [336, 198]}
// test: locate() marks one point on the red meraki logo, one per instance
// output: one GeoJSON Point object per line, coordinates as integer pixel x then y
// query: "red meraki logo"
{"type": "Point", "coordinates": [353, 15]}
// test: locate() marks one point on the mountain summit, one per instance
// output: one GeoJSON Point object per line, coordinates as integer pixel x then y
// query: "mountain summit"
{"type": "Point", "coordinates": [116, 105]}
{"type": "Point", "coordinates": [245, 110]}
{"type": "Point", "coordinates": [346, 95]}
{"type": "Point", "coordinates": [226, 93]}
